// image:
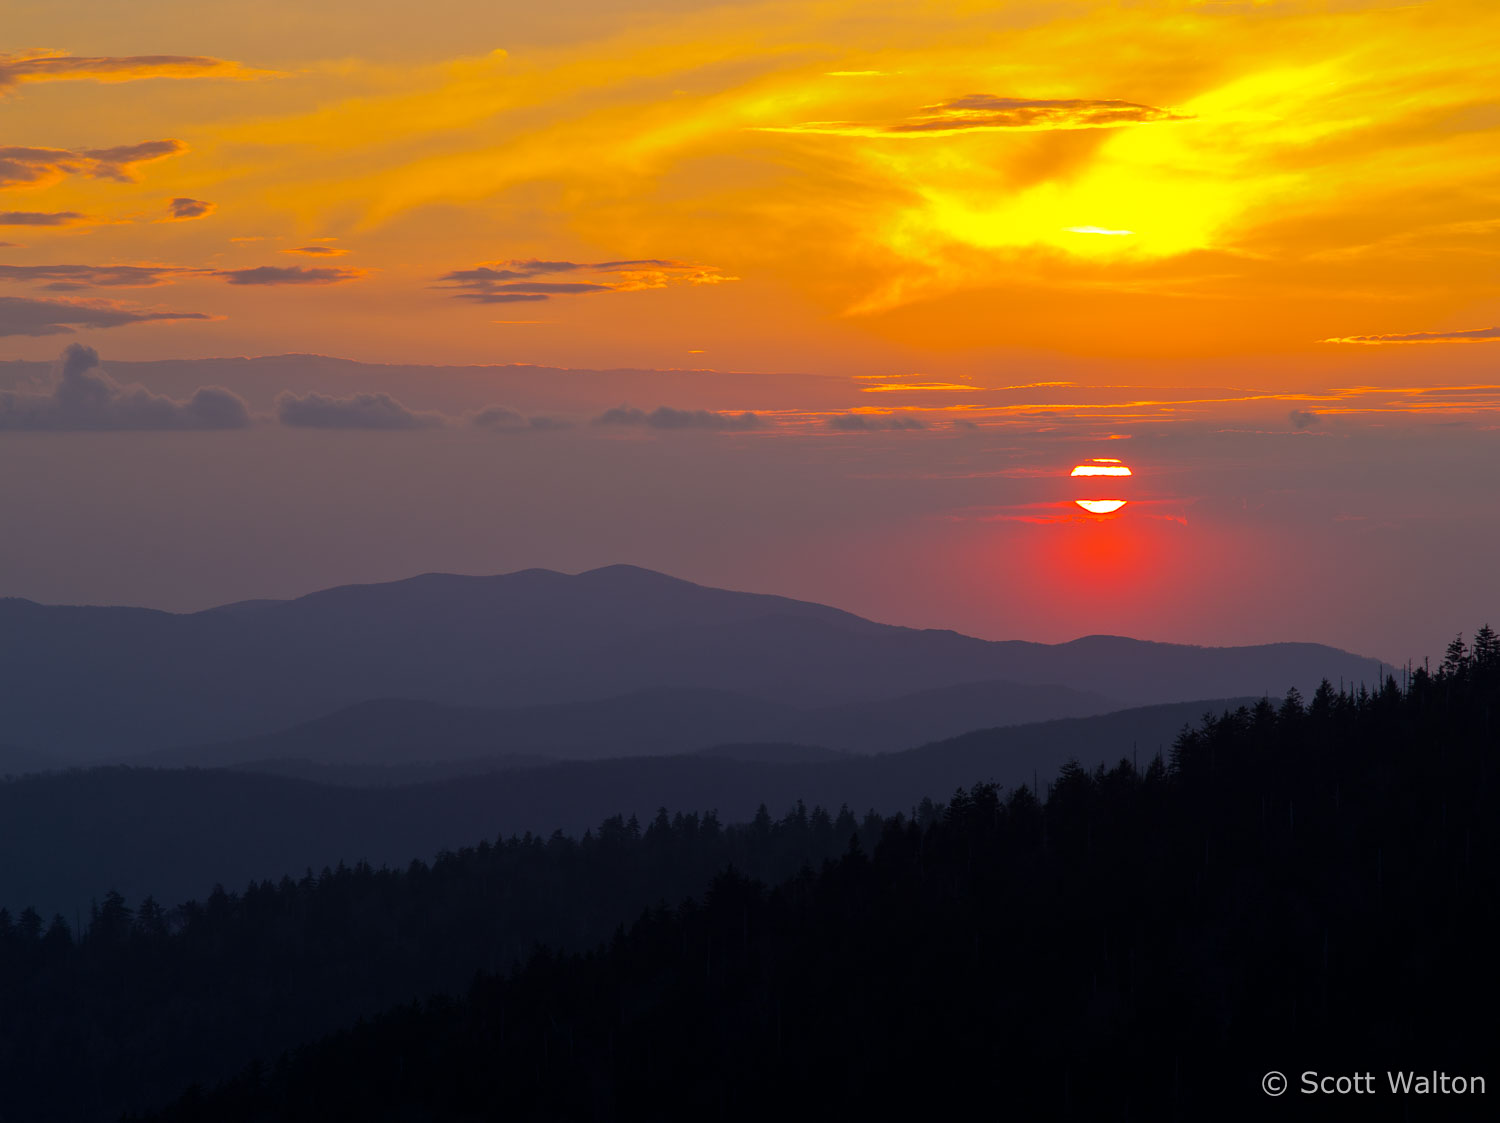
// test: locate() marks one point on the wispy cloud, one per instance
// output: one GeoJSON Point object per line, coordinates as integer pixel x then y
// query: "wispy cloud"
{"type": "Point", "coordinates": [23, 166]}
{"type": "Point", "coordinates": [989, 112]}
{"type": "Point", "coordinates": [289, 275]}
{"type": "Point", "coordinates": [900, 387]}
{"type": "Point", "coordinates": [43, 218]}
{"type": "Point", "coordinates": [69, 278]}
{"type": "Point", "coordinates": [41, 65]}
{"type": "Point", "coordinates": [25, 316]}
{"type": "Point", "coordinates": [182, 208]}
{"type": "Point", "coordinates": [522, 280]}
{"type": "Point", "coordinates": [316, 251]}
{"type": "Point", "coordinates": [1475, 335]}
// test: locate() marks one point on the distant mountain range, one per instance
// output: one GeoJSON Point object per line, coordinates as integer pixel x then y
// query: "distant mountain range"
{"type": "Point", "coordinates": [615, 660]}
{"type": "Point", "coordinates": [654, 722]}
{"type": "Point", "coordinates": [68, 837]}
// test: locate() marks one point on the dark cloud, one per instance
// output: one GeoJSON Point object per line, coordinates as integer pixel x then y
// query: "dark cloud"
{"type": "Point", "coordinates": [506, 420]}
{"type": "Point", "coordinates": [86, 399]}
{"type": "Point", "coordinates": [289, 275]}
{"type": "Point", "coordinates": [64, 278]}
{"type": "Point", "coordinates": [42, 218]}
{"type": "Point", "coordinates": [1303, 418]}
{"type": "Point", "coordinates": [982, 112]}
{"type": "Point", "coordinates": [664, 417]}
{"type": "Point", "coordinates": [55, 66]}
{"type": "Point", "coordinates": [358, 411]}
{"type": "Point", "coordinates": [874, 422]}
{"type": "Point", "coordinates": [19, 165]}
{"type": "Point", "coordinates": [183, 207]}
{"type": "Point", "coordinates": [1474, 335]}
{"type": "Point", "coordinates": [317, 251]}
{"type": "Point", "coordinates": [24, 316]}
{"type": "Point", "coordinates": [510, 282]}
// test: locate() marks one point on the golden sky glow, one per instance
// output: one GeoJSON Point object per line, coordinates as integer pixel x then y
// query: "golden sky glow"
{"type": "Point", "coordinates": [829, 187]}
{"type": "Point", "coordinates": [823, 298]}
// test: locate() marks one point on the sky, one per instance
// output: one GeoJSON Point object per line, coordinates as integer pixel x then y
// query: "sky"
{"type": "Point", "coordinates": [822, 299]}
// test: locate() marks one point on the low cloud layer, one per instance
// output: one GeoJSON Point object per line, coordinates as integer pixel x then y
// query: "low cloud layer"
{"type": "Point", "coordinates": [289, 275]}
{"type": "Point", "coordinates": [665, 417]}
{"type": "Point", "coordinates": [33, 167]}
{"type": "Point", "coordinates": [183, 207]}
{"type": "Point", "coordinates": [1475, 335]}
{"type": "Point", "coordinates": [874, 422]}
{"type": "Point", "coordinates": [524, 280]}
{"type": "Point", "coordinates": [84, 398]}
{"type": "Point", "coordinates": [59, 66]}
{"type": "Point", "coordinates": [988, 112]}
{"type": "Point", "coordinates": [21, 315]}
{"type": "Point", "coordinates": [1303, 418]}
{"type": "Point", "coordinates": [358, 411]}
{"type": "Point", "coordinates": [502, 419]}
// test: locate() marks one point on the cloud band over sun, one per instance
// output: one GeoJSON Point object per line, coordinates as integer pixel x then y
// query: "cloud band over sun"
{"type": "Point", "coordinates": [988, 113]}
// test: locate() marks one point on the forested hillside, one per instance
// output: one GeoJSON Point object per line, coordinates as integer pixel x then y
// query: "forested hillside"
{"type": "Point", "coordinates": [1296, 886]}
{"type": "Point", "coordinates": [1302, 887]}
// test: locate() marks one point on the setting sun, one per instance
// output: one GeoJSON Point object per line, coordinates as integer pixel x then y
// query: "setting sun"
{"type": "Point", "coordinates": [1100, 466]}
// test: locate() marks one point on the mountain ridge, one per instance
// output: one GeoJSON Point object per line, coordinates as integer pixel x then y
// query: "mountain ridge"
{"type": "Point", "coordinates": [88, 683]}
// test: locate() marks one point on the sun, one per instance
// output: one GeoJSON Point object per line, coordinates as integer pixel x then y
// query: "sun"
{"type": "Point", "coordinates": [1100, 466]}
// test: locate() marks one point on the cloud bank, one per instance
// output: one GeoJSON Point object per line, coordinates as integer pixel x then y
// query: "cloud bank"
{"type": "Point", "coordinates": [85, 399]}
{"type": "Point", "coordinates": [665, 417]}
{"type": "Point", "coordinates": [503, 419]}
{"type": "Point", "coordinates": [358, 411]}
{"type": "Point", "coordinates": [874, 422]}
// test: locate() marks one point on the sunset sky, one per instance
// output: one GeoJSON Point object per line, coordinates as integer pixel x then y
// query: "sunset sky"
{"type": "Point", "coordinates": [823, 299]}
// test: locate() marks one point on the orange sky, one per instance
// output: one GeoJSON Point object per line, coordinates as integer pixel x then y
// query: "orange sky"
{"type": "Point", "coordinates": [849, 187]}
{"type": "Point", "coordinates": [949, 249]}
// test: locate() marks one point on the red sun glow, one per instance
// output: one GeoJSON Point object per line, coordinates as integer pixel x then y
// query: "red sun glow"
{"type": "Point", "coordinates": [1100, 466]}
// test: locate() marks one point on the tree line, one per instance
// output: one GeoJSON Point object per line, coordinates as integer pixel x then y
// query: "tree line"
{"type": "Point", "coordinates": [1304, 884]}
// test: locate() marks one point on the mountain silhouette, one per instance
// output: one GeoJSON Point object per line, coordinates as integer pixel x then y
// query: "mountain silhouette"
{"type": "Point", "coordinates": [96, 683]}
